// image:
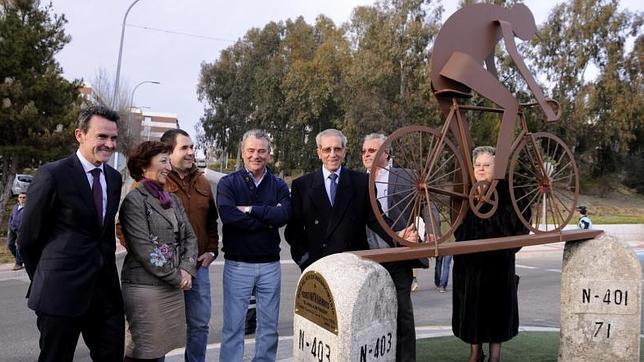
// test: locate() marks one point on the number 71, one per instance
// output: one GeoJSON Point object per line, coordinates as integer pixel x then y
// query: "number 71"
{"type": "Point", "coordinates": [598, 327]}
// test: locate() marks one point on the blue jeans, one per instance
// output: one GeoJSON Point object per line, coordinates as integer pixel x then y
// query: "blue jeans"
{"type": "Point", "coordinates": [198, 309]}
{"type": "Point", "coordinates": [239, 280]}
{"type": "Point", "coordinates": [441, 271]}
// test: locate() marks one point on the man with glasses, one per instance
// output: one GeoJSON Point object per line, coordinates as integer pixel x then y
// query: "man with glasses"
{"type": "Point", "coordinates": [331, 206]}
{"type": "Point", "coordinates": [14, 224]}
{"type": "Point", "coordinates": [392, 188]}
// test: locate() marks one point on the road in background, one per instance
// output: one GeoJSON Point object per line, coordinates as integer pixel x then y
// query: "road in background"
{"type": "Point", "coordinates": [538, 266]}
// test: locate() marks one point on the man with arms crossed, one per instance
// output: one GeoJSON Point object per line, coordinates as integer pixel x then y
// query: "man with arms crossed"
{"type": "Point", "coordinates": [191, 186]}
{"type": "Point", "coordinates": [253, 204]}
{"type": "Point", "coordinates": [67, 243]}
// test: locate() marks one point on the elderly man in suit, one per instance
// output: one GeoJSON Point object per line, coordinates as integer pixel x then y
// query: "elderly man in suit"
{"type": "Point", "coordinates": [392, 182]}
{"type": "Point", "coordinates": [68, 245]}
{"type": "Point", "coordinates": [331, 207]}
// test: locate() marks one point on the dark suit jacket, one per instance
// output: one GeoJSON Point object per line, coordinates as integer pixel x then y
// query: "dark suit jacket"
{"type": "Point", "coordinates": [317, 229]}
{"type": "Point", "coordinates": [400, 186]}
{"type": "Point", "coordinates": [67, 253]}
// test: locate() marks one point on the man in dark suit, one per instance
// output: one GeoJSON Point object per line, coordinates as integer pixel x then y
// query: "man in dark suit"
{"type": "Point", "coordinates": [331, 206]}
{"type": "Point", "coordinates": [68, 244]}
{"type": "Point", "coordinates": [393, 187]}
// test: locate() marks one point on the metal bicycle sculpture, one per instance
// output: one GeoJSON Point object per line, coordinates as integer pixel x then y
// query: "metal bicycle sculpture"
{"type": "Point", "coordinates": [434, 167]}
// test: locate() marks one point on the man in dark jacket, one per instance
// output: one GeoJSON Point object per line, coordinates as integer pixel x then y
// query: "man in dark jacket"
{"type": "Point", "coordinates": [188, 183]}
{"type": "Point", "coordinates": [253, 204]}
{"type": "Point", "coordinates": [393, 188]}
{"type": "Point", "coordinates": [331, 207]}
{"type": "Point", "coordinates": [14, 224]}
{"type": "Point", "coordinates": [67, 242]}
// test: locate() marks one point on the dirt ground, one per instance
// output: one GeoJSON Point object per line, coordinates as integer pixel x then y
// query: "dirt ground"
{"type": "Point", "coordinates": [620, 205]}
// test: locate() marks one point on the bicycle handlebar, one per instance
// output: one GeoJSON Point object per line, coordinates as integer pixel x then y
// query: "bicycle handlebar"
{"type": "Point", "coordinates": [551, 102]}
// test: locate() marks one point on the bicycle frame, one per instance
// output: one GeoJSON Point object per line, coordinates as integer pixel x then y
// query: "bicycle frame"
{"type": "Point", "coordinates": [551, 174]}
{"type": "Point", "coordinates": [462, 135]}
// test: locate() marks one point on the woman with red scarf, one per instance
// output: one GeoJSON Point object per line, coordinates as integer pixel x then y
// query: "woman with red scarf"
{"type": "Point", "coordinates": [161, 258]}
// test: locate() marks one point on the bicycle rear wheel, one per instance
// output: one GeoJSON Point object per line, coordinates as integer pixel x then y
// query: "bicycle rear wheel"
{"type": "Point", "coordinates": [423, 170]}
{"type": "Point", "coordinates": [544, 182]}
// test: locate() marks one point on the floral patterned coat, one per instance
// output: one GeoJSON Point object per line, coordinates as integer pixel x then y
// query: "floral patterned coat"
{"type": "Point", "coordinates": [160, 241]}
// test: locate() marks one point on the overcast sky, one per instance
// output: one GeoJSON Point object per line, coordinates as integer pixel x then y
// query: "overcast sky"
{"type": "Point", "coordinates": [174, 59]}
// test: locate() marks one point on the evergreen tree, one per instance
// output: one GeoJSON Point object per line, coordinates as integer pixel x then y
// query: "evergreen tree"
{"type": "Point", "coordinates": [38, 107]}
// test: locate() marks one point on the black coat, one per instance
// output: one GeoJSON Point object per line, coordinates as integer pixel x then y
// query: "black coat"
{"type": "Point", "coordinates": [319, 229]}
{"type": "Point", "coordinates": [484, 302]}
{"type": "Point", "coordinates": [67, 253]}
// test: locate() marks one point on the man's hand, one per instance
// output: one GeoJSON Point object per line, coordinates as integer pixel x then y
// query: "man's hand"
{"type": "Point", "coordinates": [431, 238]}
{"type": "Point", "coordinates": [206, 259]}
{"type": "Point", "coordinates": [409, 233]}
{"type": "Point", "coordinates": [244, 209]}
{"type": "Point", "coordinates": [186, 280]}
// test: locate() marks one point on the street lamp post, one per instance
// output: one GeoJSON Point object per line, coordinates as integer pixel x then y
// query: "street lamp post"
{"type": "Point", "coordinates": [129, 114]}
{"type": "Point", "coordinates": [118, 63]}
{"type": "Point", "coordinates": [137, 86]}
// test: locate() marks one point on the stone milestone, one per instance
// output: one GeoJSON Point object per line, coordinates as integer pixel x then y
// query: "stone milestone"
{"type": "Point", "coordinates": [600, 301]}
{"type": "Point", "coordinates": [345, 310]}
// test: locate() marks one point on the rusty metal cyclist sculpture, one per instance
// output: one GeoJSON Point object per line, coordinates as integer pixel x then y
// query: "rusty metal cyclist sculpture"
{"type": "Point", "coordinates": [436, 165]}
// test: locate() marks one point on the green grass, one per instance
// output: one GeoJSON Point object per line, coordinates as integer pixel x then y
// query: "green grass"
{"type": "Point", "coordinates": [526, 347]}
{"type": "Point", "coordinates": [618, 219]}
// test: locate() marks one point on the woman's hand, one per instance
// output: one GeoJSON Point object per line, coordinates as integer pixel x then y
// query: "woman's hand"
{"type": "Point", "coordinates": [186, 280]}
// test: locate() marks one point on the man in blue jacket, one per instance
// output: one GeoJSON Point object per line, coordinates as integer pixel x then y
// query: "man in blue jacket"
{"type": "Point", "coordinates": [253, 205]}
{"type": "Point", "coordinates": [14, 224]}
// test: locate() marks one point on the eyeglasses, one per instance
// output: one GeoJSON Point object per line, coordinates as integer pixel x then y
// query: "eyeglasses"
{"type": "Point", "coordinates": [327, 150]}
{"type": "Point", "coordinates": [483, 165]}
{"type": "Point", "coordinates": [369, 151]}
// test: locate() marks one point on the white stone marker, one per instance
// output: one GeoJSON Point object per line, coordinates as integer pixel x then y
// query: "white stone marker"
{"type": "Point", "coordinates": [600, 301]}
{"type": "Point", "coordinates": [345, 310]}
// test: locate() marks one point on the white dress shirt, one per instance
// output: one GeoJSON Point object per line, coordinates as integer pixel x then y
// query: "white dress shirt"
{"type": "Point", "coordinates": [256, 182]}
{"type": "Point", "coordinates": [327, 181]}
{"type": "Point", "coordinates": [88, 167]}
{"type": "Point", "coordinates": [382, 183]}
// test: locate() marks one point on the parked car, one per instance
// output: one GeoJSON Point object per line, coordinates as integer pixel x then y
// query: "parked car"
{"type": "Point", "coordinates": [21, 184]}
{"type": "Point", "coordinates": [201, 162]}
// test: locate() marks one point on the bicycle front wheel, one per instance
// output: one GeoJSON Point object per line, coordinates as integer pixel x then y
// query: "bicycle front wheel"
{"type": "Point", "coordinates": [544, 182]}
{"type": "Point", "coordinates": [425, 172]}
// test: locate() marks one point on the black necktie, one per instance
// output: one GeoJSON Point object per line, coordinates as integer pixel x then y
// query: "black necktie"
{"type": "Point", "coordinates": [334, 187]}
{"type": "Point", "coordinates": [97, 192]}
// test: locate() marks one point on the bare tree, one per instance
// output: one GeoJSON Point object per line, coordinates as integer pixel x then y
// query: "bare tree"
{"type": "Point", "coordinates": [130, 124]}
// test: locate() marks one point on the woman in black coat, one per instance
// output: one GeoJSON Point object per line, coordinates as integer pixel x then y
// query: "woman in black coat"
{"type": "Point", "coordinates": [484, 303]}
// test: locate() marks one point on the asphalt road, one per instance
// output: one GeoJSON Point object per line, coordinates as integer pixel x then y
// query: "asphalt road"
{"type": "Point", "coordinates": [539, 268]}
